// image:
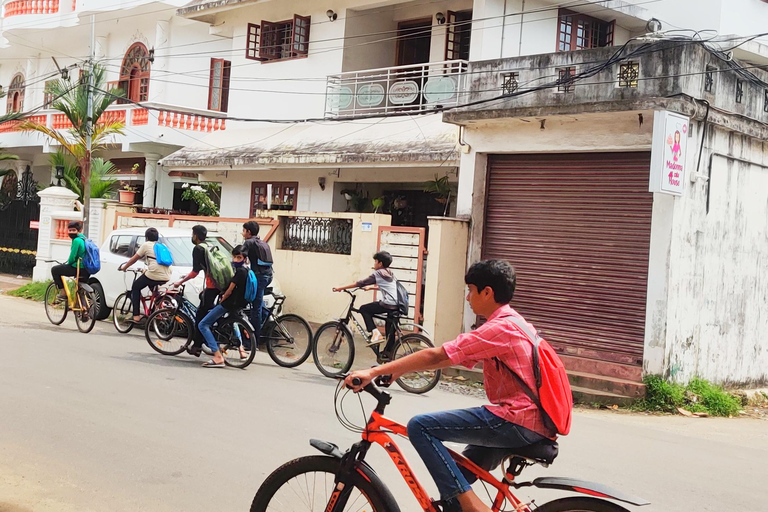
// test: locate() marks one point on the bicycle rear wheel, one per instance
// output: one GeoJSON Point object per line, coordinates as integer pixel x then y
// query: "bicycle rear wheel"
{"type": "Point", "coordinates": [306, 484]}
{"type": "Point", "coordinates": [231, 335]}
{"type": "Point", "coordinates": [421, 381]}
{"type": "Point", "coordinates": [122, 313]}
{"type": "Point", "coordinates": [169, 331]}
{"type": "Point", "coordinates": [85, 318]}
{"type": "Point", "coordinates": [333, 349]}
{"type": "Point", "coordinates": [289, 342]}
{"type": "Point", "coordinates": [55, 308]}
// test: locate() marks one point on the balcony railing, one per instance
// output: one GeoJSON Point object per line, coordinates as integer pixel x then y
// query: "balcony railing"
{"type": "Point", "coordinates": [17, 7]}
{"type": "Point", "coordinates": [132, 116]}
{"type": "Point", "coordinates": [416, 88]}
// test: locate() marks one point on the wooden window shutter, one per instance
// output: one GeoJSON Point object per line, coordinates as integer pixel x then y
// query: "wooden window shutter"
{"type": "Point", "coordinates": [211, 92]}
{"type": "Point", "coordinates": [268, 49]}
{"type": "Point", "coordinates": [252, 46]}
{"type": "Point", "coordinates": [451, 42]}
{"type": "Point", "coordinates": [609, 33]}
{"type": "Point", "coordinates": [225, 73]}
{"type": "Point", "coordinates": [300, 36]}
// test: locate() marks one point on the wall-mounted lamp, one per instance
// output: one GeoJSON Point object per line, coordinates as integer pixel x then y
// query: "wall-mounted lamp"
{"type": "Point", "coordinates": [321, 182]}
{"type": "Point", "coordinates": [59, 174]}
{"type": "Point", "coordinates": [151, 57]}
{"type": "Point", "coordinates": [653, 26]}
{"type": "Point", "coordinates": [440, 17]}
{"type": "Point", "coordinates": [331, 15]}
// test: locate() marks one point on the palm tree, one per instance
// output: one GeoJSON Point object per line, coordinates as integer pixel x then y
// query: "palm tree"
{"type": "Point", "coordinates": [72, 101]}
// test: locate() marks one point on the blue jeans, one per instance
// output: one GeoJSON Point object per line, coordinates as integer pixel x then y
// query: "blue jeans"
{"type": "Point", "coordinates": [476, 427]}
{"type": "Point", "coordinates": [257, 307]}
{"type": "Point", "coordinates": [205, 326]}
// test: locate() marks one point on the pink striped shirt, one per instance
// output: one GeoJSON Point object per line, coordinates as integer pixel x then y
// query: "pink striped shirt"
{"type": "Point", "coordinates": [502, 339]}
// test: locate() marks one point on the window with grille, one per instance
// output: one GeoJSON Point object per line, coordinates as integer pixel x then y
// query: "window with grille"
{"type": "Point", "coordinates": [739, 91]}
{"type": "Point", "coordinates": [273, 195]}
{"type": "Point", "coordinates": [765, 100]}
{"type": "Point", "coordinates": [16, 94]}
{"type": "Point", "coordinates": [134, 73]}
{"type": "Point", "coordinates": [280, 40]}
{"type": "Point", "coordinates": [218, 89]}
{"type": "Point", "coordinates": [709, 79]}
{"type": "Point", "coordinates": [48, 96]}
{"type": "Point", "coordinates": [580, 32]}
{"type": "Point", "coordinates": [458, 35]}
{"type": "Point", "coordinates": [565, 79]}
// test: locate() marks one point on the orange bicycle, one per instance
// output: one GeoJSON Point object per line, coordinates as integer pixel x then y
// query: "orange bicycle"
{"type": "Point", "coordinates": [339, 482]}
{"type": "Point", "coordinates": [81, 300]}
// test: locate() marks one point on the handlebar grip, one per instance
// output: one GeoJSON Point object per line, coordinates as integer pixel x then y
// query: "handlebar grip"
{"type": "Point", "coordinates": [384, 381]}
{"type": "Point", "coordinates": [356, 381]}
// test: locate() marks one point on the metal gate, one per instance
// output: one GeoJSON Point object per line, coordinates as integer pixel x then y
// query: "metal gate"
{"type": "Point", "coordinates": [19, 209]}
{"type": "Point", "coordinates": [407, 247]}
{"type": "Point", "coordinates": [577, 229]}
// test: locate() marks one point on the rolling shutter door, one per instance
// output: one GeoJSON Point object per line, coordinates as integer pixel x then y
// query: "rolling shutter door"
{"type": "Point", "coordinates": [577, 229]}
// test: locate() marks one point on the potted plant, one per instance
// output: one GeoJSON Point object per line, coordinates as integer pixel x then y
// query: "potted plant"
{"type": "Point", "coordinates": [377, 203]}
{"type": "Point", "coordinates": [441, 189]}
{"type": "Point", "coordinates": [127, 194]}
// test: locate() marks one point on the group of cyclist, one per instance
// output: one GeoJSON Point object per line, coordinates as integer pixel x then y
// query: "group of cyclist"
{"type": "Point", "coordinates": [513, 420]}
{"type": "Point", "coordinates": [253, 254]}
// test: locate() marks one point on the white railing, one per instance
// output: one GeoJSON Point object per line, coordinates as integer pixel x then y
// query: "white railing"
{"type": "Point", "coordinates": [416, 88]}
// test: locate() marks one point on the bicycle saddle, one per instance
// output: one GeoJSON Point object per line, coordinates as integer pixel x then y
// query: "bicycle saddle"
{"type": "Point", "coordinates": [543, 452]}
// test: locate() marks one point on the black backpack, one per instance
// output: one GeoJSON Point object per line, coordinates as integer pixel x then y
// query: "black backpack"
{"type": "Point", "coordinates": [402, 298]}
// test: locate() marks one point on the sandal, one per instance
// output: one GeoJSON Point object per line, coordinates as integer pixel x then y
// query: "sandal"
{"type": "Point", "coordinates": [213, 364]}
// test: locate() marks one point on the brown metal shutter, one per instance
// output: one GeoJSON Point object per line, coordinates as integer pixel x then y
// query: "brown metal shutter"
{"type": "Point", "coordinates": [577, 229]}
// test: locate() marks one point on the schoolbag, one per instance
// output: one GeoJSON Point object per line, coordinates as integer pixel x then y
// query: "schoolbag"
{"type": "Point", "coordinates": [92, 259]}
{"type": "Point", "coordinates": [402, 298]}
{"type": "Point", "coordinates": [553, 395]}
{"type": "Point", "coordinates": [163, 255]}
{"type": "Point", "coordinates": [219, 268]}
{"type": "Point", "coordinates": [251, 286]}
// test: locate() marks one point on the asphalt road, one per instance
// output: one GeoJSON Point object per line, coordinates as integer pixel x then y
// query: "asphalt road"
{"type": "Point", "coordinates": [100, 422]}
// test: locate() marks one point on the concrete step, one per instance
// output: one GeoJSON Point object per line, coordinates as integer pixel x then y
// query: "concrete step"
{"type": "Point", "coordinates": [591, 397]}
{"type": "Point", "coordinates": [621, 387]}
{"type": "Point", "coordinates": [606, 369]}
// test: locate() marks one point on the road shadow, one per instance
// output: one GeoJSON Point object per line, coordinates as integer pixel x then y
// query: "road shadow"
{"type": "Point", "coordinates": [10, 507]}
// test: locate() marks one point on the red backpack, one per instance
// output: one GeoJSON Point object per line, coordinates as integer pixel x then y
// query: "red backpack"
{"type": "Point", "coordinates": [554, 397]}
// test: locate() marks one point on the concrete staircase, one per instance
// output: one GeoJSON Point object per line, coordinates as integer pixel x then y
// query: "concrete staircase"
{"type": "Point", "coordinates": [592, 381]}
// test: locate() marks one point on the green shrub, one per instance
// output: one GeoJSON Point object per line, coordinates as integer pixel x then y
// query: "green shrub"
{"type": "Point", "coordinates": [714, 399]}
{"type": "Point", "coordinates": [697, 396]}
{"type": "Point", "coordinates": [32, 291]}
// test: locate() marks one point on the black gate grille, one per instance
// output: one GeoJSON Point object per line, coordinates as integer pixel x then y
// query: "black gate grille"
{"type": "Point", "coordinates": [18, 242]}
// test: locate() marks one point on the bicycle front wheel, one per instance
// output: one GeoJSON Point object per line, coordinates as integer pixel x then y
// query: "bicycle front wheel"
{"type": "Point", "coordinates": [55, 308]}
{"type": "Point", "coordinates": [306, 484]}
{"type": "Point", "coordinates": [421, 381]}
{"type": "Point", "coordinates": [169, 331]}
{"type": "Point", "coordinates": [290, 341]}
{"type": "Point", "coordinates": [85, 317]}
{"type": "Point", "coordinates": [122, 313]}
{"type": "Point", "coordinates": [233, 335]}
{"type": "Point", "coordinates": [333, 349]}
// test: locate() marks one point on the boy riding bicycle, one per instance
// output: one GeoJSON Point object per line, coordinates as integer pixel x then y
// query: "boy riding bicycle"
{"type": "Point", "coordinates": [384, 280]}
{"type": "Point", "coordinates": [75, 260]}
{"type": "Point", "coordinates": [233, 299]}
{"type": "Point", "coordinates": [155, 275]}
{"type": "Point", "coordinates": [513, 420]}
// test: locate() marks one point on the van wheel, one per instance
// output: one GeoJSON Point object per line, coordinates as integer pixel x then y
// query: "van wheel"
{"type": "Point", "coordinates": [102, 310]}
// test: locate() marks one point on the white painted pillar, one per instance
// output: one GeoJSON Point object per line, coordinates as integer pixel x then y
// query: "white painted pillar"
{"type": "Point", "coordinates": [164, 197]}
{"type": "Point", "coordinates": [52, 199]}
{"type": "Point", "coordinates": [487, 34]}
{"type": "Point", "coordinates": [102, 44]}
{"type": "Point", "coordinates": [158, 89]}
{"type": "Point", "coordinates": [150, 179]}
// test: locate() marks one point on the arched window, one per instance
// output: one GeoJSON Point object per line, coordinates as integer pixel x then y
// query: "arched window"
{"type": "Point", "coordinates": [16, 94]}
{"type": "Point", "coordinates": [134, 73]}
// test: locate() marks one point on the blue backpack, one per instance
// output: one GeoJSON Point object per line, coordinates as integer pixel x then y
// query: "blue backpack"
{"type": "Point", "coordinates": [91, 261]}
{"type": "Point", "coordinates": [251, 285]}
{"type": "Point", "coordinates": [163, 255]}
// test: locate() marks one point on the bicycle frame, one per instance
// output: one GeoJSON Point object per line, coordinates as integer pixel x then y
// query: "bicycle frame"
{"type": "Point", "coordinates": [70, 299]}
{"type": "Point", "coordinates": [379, 431]}
{"type": "Point", "coordinates": [396, 331]}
